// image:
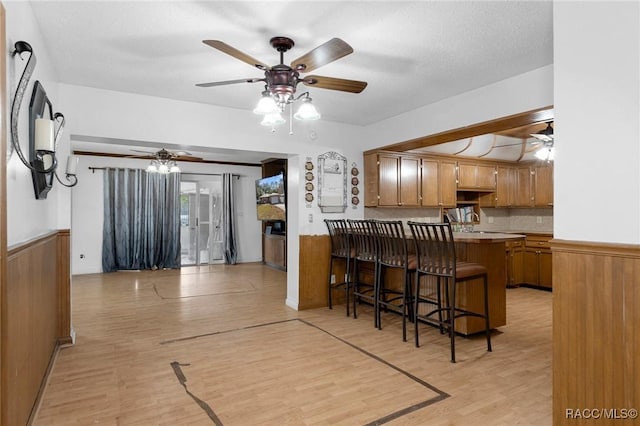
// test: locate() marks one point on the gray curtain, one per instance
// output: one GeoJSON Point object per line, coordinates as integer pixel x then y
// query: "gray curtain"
{"type": "Point", "coordinates": [141, 227]}
{"type": "Point", "coordinates": [229, 219]}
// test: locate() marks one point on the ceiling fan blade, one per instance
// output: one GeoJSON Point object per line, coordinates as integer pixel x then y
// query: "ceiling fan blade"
{"type": "Point", "coordinates": [225, 48]}
{"type": "Point", "coordinates": [325, 53]}
{"type": "Point", "coordinates": [188, 158]}
{"type": "Point", "coordinates": [223, 83]}
{"type": "Point", "coordinates": [144, 152]}
{"type": "Point", "coordinates": [331, 83]}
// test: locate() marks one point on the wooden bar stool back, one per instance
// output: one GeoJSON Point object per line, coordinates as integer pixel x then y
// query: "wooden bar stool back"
{"type": "Point", "coordinates": [341, 250]}
{"type": "Point", "coordinates": [394, 255]}
{"type": "Point", "coordinates": [436, 257]}
{"type": "Point", "coordinates": [365, 251]}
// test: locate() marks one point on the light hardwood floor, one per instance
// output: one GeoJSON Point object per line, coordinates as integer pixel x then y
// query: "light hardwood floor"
{"type": "Point", "coordinates": [217, 345]}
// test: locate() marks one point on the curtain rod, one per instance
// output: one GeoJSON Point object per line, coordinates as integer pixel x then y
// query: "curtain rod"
{"type": "Point", "coordinates": [93, 170]}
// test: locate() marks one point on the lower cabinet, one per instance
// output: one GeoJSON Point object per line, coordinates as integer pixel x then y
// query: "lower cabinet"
{"type": "Point", "coordinates": [537, 261]}
{"type": "Point", "coordinates": [514, 252]}
{"type": "Point", "coordinates": [275, 250]}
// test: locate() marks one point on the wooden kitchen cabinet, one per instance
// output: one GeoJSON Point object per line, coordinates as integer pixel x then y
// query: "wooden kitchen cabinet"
{"type": "Point", "coordinates": [409, 181]}
{"type": "Point", "coordinates": [438, 183]}
{"type": "Point", "coordinates": [523, 195]}
{"type": "Point", "coordinates": [537, 261]}
{"type": "Point", "coordinates": [388, 179]}
{"type": "Point", "coordinates": [523, 186]}
{"type": "Point", "coordinates": [476, 176]}
{"type": "Point", "coordinates": [275, 250]}
{"type": "Point", "coordinates": [514, 252]}
{"type": "Point", "coordinates": [505, 194]}
{"type": "Point", "coordinates": [392, 180]}
{"type": "Point", "coordinates": [542, 186]}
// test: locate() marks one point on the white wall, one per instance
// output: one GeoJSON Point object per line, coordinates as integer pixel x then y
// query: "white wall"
{"type": "Point", "coordinates": [525, 92]}
{"type": "Point", "coordinates": [597, 126]}
{"type": "Point", "coordinates": [87, 209]}
{"type": "Point", "coordinates": [27, 217]}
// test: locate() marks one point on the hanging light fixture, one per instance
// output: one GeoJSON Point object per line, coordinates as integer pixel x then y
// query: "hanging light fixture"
{"type": "Point", "coordinates": [546, 153]}
{"type": "Point", "coordinates": [266, 105]}
{"type": "Point", "coordinates": [271, 105]}
{"type": "Point", "coordinates": [272, 119]}
{"type": "Point", "coordinates": [164, 163]}
{"type": "Point", "coordinates": [307, 110]}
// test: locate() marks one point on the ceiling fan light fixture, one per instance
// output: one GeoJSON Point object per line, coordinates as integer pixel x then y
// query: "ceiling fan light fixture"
{"type": "Point", "coordinates": [272, 119]}
{"type": "Point", "coordinates": [545, 135]}
{"type": "Point", "coordinates": [546, 153]}
{"type": "Point", "coordinates": [307, 111]}
{"type": "Point", "coordinates": [163, 167]}
{"type": "Point", "coordinates": [266, 105]}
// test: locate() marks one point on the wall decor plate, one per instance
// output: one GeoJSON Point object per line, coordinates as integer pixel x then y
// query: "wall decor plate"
{"type": "Point", "coordinates": [355, 181]}
{"type": "Point", "coordinates": [354, 171]}
{"type": "Point", "coordinates": [308, 165]}
{"type": "Point", "coordinates": [308, 197]}
{"type": "Point", "coordinates": [355, 190]}
{"type": "Point", "coordinates": [308, 186]}
{"type": "Point", "coordinates": [308, 176]}
{"type": "Point", "coordinates": [355, 201]}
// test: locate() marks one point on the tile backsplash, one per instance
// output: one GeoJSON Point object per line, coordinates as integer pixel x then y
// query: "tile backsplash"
{"type": "Point", "coordinates": [491, 219]}
{"type": "Point", "coordinates": [532, 220]}
{"type": "Point", "coordinates": [418, 215]}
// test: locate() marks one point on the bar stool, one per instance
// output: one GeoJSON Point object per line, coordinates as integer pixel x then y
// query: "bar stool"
{"type": "Point", "coordinates": [341, 250]}
{"type": "Point", "coordinates": [365, 250]}
{"type": "Point", "coordinates": [436, 257]}
{"type": "Point", "coordinates": [394, 254]}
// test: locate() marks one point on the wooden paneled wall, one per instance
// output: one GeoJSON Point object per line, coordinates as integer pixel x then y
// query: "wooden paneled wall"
{"type": "Point", "coordinates": [315, 251]}
{"type": "Point", "coordinates": [596, 317]}
{"type": "Point", "coordinates": [35, 320]}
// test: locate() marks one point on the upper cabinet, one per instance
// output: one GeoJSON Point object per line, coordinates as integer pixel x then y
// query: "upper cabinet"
{"type": "Point", "coordinates": [521, 186]}
{"type": "Point", "coordinates": [438, 184]}
{"type": "Point", "coordinates": [398, 180]}
{"type": "Point", "coordinates": [543, 185]}
{"type": "Point", "coordinates": [476, 176]}
{"type": "Point", "coordinates": [391, 180]}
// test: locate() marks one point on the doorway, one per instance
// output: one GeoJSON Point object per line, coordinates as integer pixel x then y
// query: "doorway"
{"type": "Point", "coordinates": [201, 222]}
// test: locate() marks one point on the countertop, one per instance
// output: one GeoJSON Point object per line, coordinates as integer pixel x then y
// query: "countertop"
{"type": "Point", "coordinates": [485, 237]}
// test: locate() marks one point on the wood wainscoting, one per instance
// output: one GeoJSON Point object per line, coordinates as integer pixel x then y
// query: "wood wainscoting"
{"type": "Point", "coordinates": [35, 320]}
{"type": "Point", "coordinates": [596, 315]}
{"type": "Point", "coordinates": [315, 252]}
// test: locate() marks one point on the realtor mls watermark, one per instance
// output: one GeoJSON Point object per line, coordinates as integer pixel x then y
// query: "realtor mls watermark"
{"type": "Point", "coordinates": [601, 413]}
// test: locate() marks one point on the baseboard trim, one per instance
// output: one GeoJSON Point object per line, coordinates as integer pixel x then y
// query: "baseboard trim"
{"type": "Point", "coordinates": [596, 248]}
{"type": "Point", "coordinates": [43, 384]}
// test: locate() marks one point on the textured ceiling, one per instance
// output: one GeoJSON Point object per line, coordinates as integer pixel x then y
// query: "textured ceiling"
{"type": "Point", "coordinates": [410, 53]}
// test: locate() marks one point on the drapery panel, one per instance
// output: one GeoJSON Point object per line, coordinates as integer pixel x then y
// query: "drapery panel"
{"type": "Point", "coordinates": [228, 218]}
{"type": "Point", "coordinates": [141, 227]}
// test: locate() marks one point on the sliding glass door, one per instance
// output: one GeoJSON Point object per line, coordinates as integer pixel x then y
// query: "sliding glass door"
{"type": "Point", "coordinates": [201, 221]}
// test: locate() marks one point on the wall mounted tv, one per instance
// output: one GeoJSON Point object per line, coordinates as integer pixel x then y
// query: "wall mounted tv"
{"type": "Point", "coordinates": [270, 198]}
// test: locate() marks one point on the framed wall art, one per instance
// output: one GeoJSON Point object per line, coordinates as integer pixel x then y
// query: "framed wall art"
{"type": "Point", "coordinates": [332, 182]}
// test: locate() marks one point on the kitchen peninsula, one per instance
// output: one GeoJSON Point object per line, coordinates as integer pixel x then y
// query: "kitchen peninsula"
{"type": "Point", "coordinates": [487, 249]}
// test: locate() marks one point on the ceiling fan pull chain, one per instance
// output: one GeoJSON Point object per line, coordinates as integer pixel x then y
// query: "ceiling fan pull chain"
{"type": "Point", "coordinates": [290, 119]}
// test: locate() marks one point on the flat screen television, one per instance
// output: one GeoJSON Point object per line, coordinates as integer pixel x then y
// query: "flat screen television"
{"type": "Point", "coordinates": [270, 198]}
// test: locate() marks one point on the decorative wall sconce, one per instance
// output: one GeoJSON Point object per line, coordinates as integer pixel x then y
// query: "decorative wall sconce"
{"type": "Point", "coordinates": [43, 134]}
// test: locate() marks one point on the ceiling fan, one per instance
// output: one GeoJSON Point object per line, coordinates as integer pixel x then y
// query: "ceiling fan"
{"type": "Point", "coordinates": [164, 161]}
{"type": "Point", "coordinates": [166, 155]}
{"type": "Point", "coordinates": [281, 80]}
